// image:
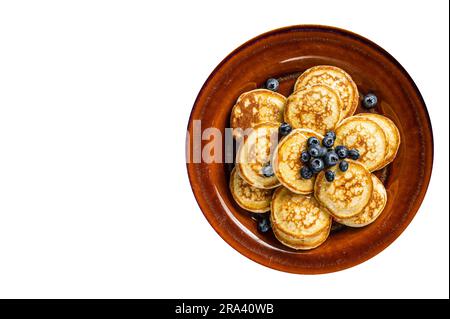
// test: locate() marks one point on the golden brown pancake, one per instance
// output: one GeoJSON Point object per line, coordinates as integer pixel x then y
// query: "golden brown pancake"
{"type": "Point", "coordinates": [302, 243]}
{"type": "Point", "coordinates": [287, 164]}
{"type": "Point", "coordinates": [250, 198]}
{"type": "Point", "coordinates": [367, 137]}
{"type": "Point", "coordinates": [337, 79]}
{"type": "Point", "coordinates": [390, 131]}
{"type": "Point", "coordinates": [256, 107]}
{"type": "Point", "coordinates": [317, 107]}
{"type": "Point", "coordinates": [256, 152]}
{"type": "Point", "coordinates": [348, 194]}
{"type": "Point", "coordinates": [299, 221]}
{"type": "Point", "coordinates": [372, 210]}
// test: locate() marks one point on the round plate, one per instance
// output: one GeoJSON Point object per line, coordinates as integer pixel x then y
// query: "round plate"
{"type": "Point", "coordinates": [284, 54]}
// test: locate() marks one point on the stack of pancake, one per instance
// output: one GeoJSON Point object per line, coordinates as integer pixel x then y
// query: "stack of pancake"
{"type": "Point", "coordinates": [324, 99]}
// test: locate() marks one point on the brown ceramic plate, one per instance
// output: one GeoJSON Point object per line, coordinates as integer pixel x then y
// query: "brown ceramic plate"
{"type": "Point", "coordinates": [284, 54]}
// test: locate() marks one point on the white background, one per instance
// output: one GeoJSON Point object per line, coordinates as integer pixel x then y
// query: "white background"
{"type": "Point", "coordinates": [94, 195]}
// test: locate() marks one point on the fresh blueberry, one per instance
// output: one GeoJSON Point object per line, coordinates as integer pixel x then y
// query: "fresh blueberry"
{"type": "Point", "coordinates": [313, 141]}
{"type": "Point", "coordinates": [314, 150]}
{"type": "Point", "coordinates": [329, 175]}
{"type": "Point", "coordinates": [331, 133]}
{"type": "Point", "coordinates": [305, 157]}
{"type": "Point", "coordinates": [306, 172]}
{"type": "Point", "coordinates": [267, 170]}
{"type": "Point", "coordinates": [316, 165]}
{"type": "Point", "coordinates": [331, 159]}
{"type": "Point", "coordinates": [328, 141]}
{"type": "Point", "coordinates": [285, 129]}
{"type": "Point", "coordinates": [263, 224]}
{"type": "Point", "coordinates": [343, 166]}
{"type": "Point", "coordinates": [353, 154]}
{"type": "Point", "coordinates": [322, 151]}
{"type": "Point", "coordinates": [341, 151]}
{"type": "Point", "coordinates": [370, 101]}
{"type": "Point", "coordinates": [272, 84]}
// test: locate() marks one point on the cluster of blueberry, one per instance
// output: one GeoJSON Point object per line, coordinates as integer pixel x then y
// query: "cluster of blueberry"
{"type": "Point", "coordinates": [320, 156]}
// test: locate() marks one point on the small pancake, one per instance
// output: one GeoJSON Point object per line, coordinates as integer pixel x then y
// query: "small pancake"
{"type": "Point", "coordinates": [298, 215]}
{"type": "Point", "coordinates": [250, 198]}
{"type": "Point", "coordinates": [256, 107]}
{"type": "Point", "coordinates": [367, 137]}
{"type": "Point", "coordinates": [317, 108]}
{"type": "Point", "coordinates": [348, 194]}
{"type": "Point", "coordinates": [298, 221]}
{"type": "Point", "coordinates": [372, 210]}
{"type": "Point", "coordinates": [392, 135]}
{"type": "Point", "coordinates": [337, 79]}
{"type": "Point", "coordinates": [286, 161]}
{"type": "Point", "coordinates": [255, 152]}
{"type": "Point", "coordinates": [302, 243]}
